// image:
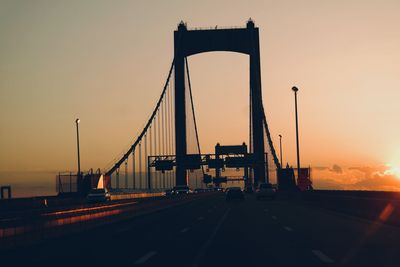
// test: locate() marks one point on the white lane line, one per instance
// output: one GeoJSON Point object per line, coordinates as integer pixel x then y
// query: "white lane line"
{"type": "Point", "coordinates": [274, 217]}
{"type": "Point", "coordinates": [146, 257]}
{"type": "Point", "coordinates": [200, 218]}
{"type": "Point", "coordinates": [320, 255]}
{"type": "Point", "coordinates": [287, 228]}
{"type": "Point", "coordinates": [184, 230]}
{"type": "Point", "coordinates": [210, 239]}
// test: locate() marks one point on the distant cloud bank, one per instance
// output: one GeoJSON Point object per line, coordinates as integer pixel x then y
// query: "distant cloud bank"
{"type": "Point", "coordinates": [355, 178]}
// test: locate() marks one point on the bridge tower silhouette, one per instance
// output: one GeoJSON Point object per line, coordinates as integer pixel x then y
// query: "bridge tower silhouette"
{"type": "Point", "coordinates": [240, 40]}
{"type": "Point", "coordinates": [159, 155]}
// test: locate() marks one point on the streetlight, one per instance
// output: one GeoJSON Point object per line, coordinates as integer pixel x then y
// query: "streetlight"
{"type": "Point", "coordinates": [280, 145]}
{"type": "Point", "coordinates": [295, 89]}
{"type": "Point", "coordinates": [77, 142]}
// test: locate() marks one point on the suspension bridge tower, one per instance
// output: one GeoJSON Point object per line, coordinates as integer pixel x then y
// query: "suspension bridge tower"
{"type": "Point", "coordinates": [241, 40]}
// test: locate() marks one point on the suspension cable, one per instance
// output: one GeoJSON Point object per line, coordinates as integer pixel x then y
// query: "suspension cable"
{"type": "Point", "coordinates": [133, 169]}
{"type": "Point", "coordinates": [126, 155]}
{"type": "Point", "coordinates": [194, 116]}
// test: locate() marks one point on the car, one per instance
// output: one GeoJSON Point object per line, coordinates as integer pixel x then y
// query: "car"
{"type": "Point", "coordinates": [98, 195]}
{"type": "Point", "coordinates": [234, 193]}
{"type": "Point", "coordinates": [198, 190]}
{"type": "Point", "coordinates": [169, 192]}
{"type": "Point", "coordinates": [265, 190]}
{"type": "Point", "coordinates": [181, 190]}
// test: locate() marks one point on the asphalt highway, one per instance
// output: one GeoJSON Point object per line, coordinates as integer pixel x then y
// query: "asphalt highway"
{"type": "Point", "coordinates": [212, 232]}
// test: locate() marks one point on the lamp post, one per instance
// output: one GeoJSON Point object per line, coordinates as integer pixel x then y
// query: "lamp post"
{"type": "Point", "coordinates": [280, 146]}
{"type": "Point", "coordinates": [295, 90]}
{"type": "Point", "coordinates": [77, 143]}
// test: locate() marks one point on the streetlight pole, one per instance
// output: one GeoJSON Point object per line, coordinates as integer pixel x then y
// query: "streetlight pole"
{"type": "Point", "coordinates": [295, 90]}
{"type": "Point", "coordinates": [280, 145]}
{"type": "Point", "coordinates": [77, 143]}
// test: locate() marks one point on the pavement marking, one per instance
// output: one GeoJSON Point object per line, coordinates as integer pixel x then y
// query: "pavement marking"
{"type": "Point", "coordinates": [146, 257]}
{"type": "Point", "coordinates": [184, 230]}
{"type": "Point", "coordinates": [287, 228]}
{"type": "Point", "coordinates": [320, 255]}
{"type": "Point", "coordinates": [274, 217]}
{"type": "Point", "coordinates": [200, 218]}
{"type": "Point", "coordinates": [210, 239]}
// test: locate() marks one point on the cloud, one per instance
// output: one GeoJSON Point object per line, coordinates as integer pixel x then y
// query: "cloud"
{"type": "Point", "coordinates": [336, 168]}
{"type": "Point", "coordinates": [355, 178]}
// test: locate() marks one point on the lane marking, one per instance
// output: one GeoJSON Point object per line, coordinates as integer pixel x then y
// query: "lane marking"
{"type": "Point", "coordinates": [287, 228]}
{"type": "Point", "coordinates": [320, 255]}
{"type": "Point", "coordinates": [146, 257]}
{"type": "Point", "coordinates": [210, 239]}
{"type": "Point", "coordinates": [200, 218]}
{"type": "Point", "coordinates": [274, 217]}
{"type": "Point", "coordinates": [184, 230]}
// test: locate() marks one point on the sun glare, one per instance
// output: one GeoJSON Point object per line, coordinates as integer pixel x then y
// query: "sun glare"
{"type": "Point", "coordinates": [393, 170]}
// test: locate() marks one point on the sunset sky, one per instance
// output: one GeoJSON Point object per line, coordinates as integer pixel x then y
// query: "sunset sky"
{"type": "Point", "coordinates": [106, 61]}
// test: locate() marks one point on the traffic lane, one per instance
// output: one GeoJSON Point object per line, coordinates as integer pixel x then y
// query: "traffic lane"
{"type": "Point", "coordinates": [251, 237]}
{"type": "Point", "coordinates": [183, 246]}
{"type": "Point", "coordinates": [346, 240]}
{"type": "Point", "coordinates": [131, 237]}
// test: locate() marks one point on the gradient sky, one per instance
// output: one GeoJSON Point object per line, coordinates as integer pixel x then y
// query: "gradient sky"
{"type": "Point", "coordinates": [106, 61]}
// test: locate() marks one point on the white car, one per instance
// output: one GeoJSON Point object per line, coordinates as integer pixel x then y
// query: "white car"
{"type": "Point", "coordinates": [265, 190]}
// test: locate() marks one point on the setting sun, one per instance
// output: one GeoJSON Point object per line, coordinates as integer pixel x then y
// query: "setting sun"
{"type": "Point", "coordinates": [393, 170]}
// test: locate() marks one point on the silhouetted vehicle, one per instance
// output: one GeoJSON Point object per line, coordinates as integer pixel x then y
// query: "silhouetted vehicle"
{"type": "Point", "coordinates": [198, 190]}
{"type": "Point", "coordinates": [169, 192]}
{"type": "Point", "coordinates": [249, 190]}
{"type": "Point", "coordinates": [234, 193]}
{"type": "Point", "coordinates": [181, 190]}
{"type": "Point", "coordinates": [265, 190]}
{"type": "Point", "coordinates": [98, 195]}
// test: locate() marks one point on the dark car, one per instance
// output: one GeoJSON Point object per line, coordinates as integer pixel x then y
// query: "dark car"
{"type": "Point", "coordinates": [234, 193]}
{"type": "Point", "coordinates": [98, 195]}
{"type": "Point", "coordinates": [198, 190]}
{"type": "Point", "coordinates": [181, 190]}
{"type": "Point", "coordinates": [169, 192]}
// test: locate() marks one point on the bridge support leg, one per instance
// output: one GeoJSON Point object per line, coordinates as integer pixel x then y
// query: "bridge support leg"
{"type": "Point", "coordinates": [180, 117]}
{"type": "Point", "coordinates": [257, 110]}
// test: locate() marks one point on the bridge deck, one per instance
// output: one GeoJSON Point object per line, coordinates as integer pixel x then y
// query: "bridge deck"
{"type": "Point", "coordinates": [211, 232]}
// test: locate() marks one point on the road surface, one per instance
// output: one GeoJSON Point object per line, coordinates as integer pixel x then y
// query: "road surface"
{"type": "Point", "coordinates": [212, 232]}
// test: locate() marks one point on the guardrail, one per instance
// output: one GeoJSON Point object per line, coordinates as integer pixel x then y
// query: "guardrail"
{"type": "Point", "coordinates": [28, 229]}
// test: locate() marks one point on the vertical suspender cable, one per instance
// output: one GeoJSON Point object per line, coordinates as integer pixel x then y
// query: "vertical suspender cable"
{"type": "Point", "coordinates": [145, 155]}
{"type": "Point", "coordinates": [126, 174]}
{"type": "Point", "coordinates": [117, 180]}
{"type": "Point", "coordinates": [155, 148]}
{"type": "Point", "coordinates": [159, 138]}
{"type": "Point", "coordinates": [140, 165]}
{"type": "Point", "coordinates": [194, 116]}
{"type": "Point", "coordinates": [133, 169]}
{"type": "Point", "coordinates": [151, 150]}
{"type": "Point", "coordinates": [168, 131]}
